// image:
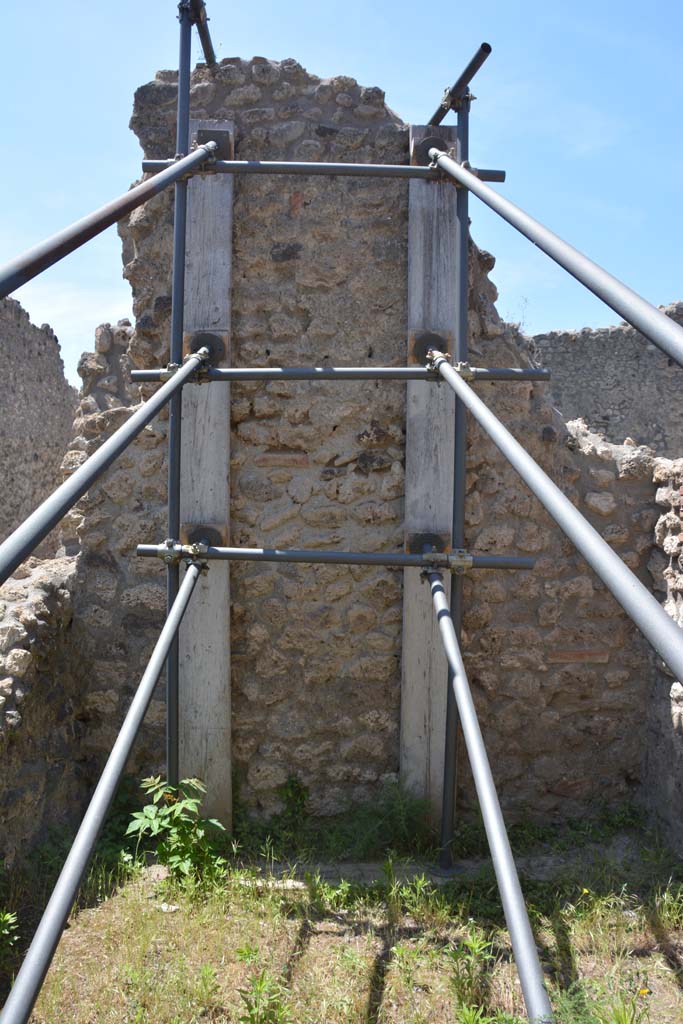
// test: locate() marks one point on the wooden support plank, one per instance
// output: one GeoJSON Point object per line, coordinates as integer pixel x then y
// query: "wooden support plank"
{"type": "Point", "coordinates": [430, 424]}
{"type": "Point", "coordinates": [204, 640]}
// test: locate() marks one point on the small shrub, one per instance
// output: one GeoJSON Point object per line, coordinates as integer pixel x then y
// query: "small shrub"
{"type": "Point", "coordinates": [264, 1001]}
{"type": "Point", "coordinates": [9, 934]}
{"type": "Point", "coordinates": [184, 842]}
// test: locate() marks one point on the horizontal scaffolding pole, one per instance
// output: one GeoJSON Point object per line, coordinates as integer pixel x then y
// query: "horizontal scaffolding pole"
{"type": "Point", "coordinates": [456, 560]}
{"type": "Point", "coordinates": [516, 917]}
{"type": "Point", "coordinates": [456, 92]}
{"type": "Point", "coordinates": [31, 263]}
{"type": "Point", "coordinates": [200, 19]}
{"type": "Point", "coordinates": [26, 537]}
{"type": "Point", "coordinates": [332, 373]}
{"type": "Point", "coordinates": [660, 329]}
{"type": "Point", "coordinates": [329, 169]}
{"type": "Point", "coordinates": [636, 600]}
{"type": "Point", "coordinates": [31, 976]}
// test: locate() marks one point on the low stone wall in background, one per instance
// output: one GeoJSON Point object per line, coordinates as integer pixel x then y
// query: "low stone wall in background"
{"type": "Point", "coordinates": [618, 381]}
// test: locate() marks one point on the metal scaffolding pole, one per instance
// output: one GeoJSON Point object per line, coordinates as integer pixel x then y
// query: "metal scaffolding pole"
{"type": "Point", "coordinates": [31, 263]}
{"type": "Point", "coordinates": [458, 561]}
{"type": "Point", "coordinates": [655, 325]}
{"type": "Point", "coordinates": [176, 407]}
{"type": "Point", "coordinates": [323, 168]}
{"type": "Point", "coordinates": [26, 537]}
{"type": "Point", "coordinates": [636, 600]}
{"type": "Point", "coordinates": [17, 1009]}
{"type": "Point", "coordinates": [462, 238]}
{"type": "Point", "coordinates": [334, 373]}
{"type": "Point", "coordinates": [453, 96]}
{"type": "Point", "coordinates": [523, 944]}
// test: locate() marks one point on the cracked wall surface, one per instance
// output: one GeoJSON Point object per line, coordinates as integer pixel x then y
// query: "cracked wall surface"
{"type": "Point", "coordinates": [561, 680]}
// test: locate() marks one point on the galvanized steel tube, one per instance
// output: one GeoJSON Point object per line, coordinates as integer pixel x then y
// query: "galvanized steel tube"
{"type": "Point", "coordinates": [397, 559]}
{"type": "Point", "coordinates": [25, 267]}
{"type": "Point", "coordinates": [333, 373]}
{"type": "Point", "coordinates": [636, 600]}
{"type": "Point", "coordinates": [26, 988]}
{"type": "Point", "coordinates": [458, 89]}
{"type": "Point", "coordinates": [523, 944]}
{"type": "Point", "coordinates": [200, 20]}
{"type": "Point", "coordinates": [462, 238]}
{"type": "Point", "coordinates": [26, 537]}
{"type": "Point", "coordinates": [323, 168]}
{"type": "Point", "coordinates": [646, 318]}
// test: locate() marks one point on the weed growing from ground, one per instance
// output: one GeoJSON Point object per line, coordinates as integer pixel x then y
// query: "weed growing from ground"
{"type": "Point", "coordinates": [265, 1001]}
{"type": "Point", "coordinates": [185, 843]}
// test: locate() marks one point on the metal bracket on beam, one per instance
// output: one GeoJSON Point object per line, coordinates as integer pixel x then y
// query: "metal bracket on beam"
{"type": "Point", "coordinates": [172, 368]}
{"type": "Point", "coordinates": [225, 141]}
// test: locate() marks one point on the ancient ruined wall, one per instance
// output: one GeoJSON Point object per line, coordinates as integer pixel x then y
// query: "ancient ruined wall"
{"type": "Point", "coordinates": [319, 277]}
{"type": "Point", "coordinates": [37, 407]}
{"type": "Point", "coordinates": [618, 381]}
{"type": "Point", "coordinates": [41, 779]}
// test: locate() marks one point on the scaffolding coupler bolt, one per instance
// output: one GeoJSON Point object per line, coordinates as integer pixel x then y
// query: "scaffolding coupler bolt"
{"type": "Point", "coordinates": [458, 561]}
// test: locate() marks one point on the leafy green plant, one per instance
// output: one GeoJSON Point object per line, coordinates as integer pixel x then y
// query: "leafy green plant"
{"type": "Point", "coordinates": [264, 1001]}
{"type": "Point", "coordinates": [471, 962]}
{"type": "Point", "coordinates": [184, 842]}
{"type": "Point", "coordinates": [623, 1011]}
{"type": "Point", "coordinates": [9, 934]}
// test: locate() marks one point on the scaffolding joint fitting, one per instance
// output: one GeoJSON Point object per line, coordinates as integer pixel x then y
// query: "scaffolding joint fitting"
{"type": "Point", "coordinates": [434, 358]}
{"type": "Point", "coordinates": [170, 552]}
{"type": "Point", "coordinates": [460, 561]}
{"type": "Point", "coordinates": [464, 370]}
{"type": "Point", "coordinates": [169, 371]}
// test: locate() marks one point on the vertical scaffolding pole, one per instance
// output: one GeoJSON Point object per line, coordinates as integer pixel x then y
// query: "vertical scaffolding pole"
{"type": "Point", "coordinates": [175, 409]}
{"type": "Point", "coordinates": [462, 233]}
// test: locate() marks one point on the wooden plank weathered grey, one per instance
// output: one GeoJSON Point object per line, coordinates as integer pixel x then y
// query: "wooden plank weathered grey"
{"type": "Point", "coordinates": [205, 721]}
{"type": "Point", "coordinates": [430, 415]}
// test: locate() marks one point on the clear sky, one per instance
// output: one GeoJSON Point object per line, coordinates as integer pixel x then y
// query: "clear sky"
{"type": "Point", "coordinates": [580, 102]}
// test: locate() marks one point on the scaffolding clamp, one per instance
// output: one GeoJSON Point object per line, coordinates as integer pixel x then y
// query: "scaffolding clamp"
{"type": "Point", "coordinates": [464, 370]}
{"type": "Point", "coordinates": [169, 371]}
{"type": "Point", "coordinates": [458, 561]}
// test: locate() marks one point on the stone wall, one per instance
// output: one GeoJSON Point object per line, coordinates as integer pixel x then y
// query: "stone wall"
{"type": "Point", "coordinates": [37, 411]}
{"type": "Point", "coordinates": [560, 677]}
{"type": "Point", "coordinates": [618, 381]}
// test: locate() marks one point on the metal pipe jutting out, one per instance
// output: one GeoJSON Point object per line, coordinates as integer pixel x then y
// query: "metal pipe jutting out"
{"type": "Point", "coordinates": [321, 168]}
{"type": "Point", "coordinates": [523, 944]}
{"type": "Point", "coordinates": [397, 559]}
{"type": "Point", "coordinates": [25, 267]}
{"type": "Point", "coordinates": [636, 600]}
{"type": "Point", "coordinates": [646, 318]}
{"type": "Point", "coordinates": [333, 373]}
{"type": "Point", "coordinates": [26, 537]}
{"type": "Point", "coordinates": [453, 95]}
{"type": "Point", "coordinates": [29, 980]}
{"type": "Point", "coordinates": [200, 19]}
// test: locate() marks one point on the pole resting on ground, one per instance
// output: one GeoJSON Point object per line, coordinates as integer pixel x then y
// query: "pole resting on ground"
{"type": "Point", "coordinates": [523, 944]}
{"type": "Point", "coordinates": [458, 561]}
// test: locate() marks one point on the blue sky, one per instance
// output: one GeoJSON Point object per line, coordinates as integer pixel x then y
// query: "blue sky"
{"type": "Point", "coordinates": [580, 102]}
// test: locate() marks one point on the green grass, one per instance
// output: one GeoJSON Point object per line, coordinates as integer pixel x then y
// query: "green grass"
{"type": "Point", "coordinates": [254, 933]}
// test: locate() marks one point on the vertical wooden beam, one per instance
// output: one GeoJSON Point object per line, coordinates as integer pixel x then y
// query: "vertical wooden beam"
{"type": "Point", "coordinates": [204, 640]}
{"type": "Point", "coordinates": [430, 425]}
